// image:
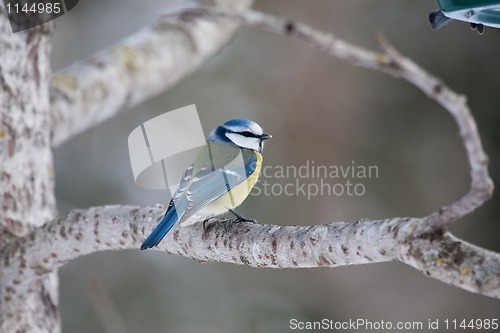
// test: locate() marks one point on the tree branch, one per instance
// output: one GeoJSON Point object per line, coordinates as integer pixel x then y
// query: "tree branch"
{"type": "Point", "coordinates": [422, 243]}
{"type": "Point", "coordinates": [481, 188]}
{"type": "Point", "coordinates": [438, 254]}
{"type": "Point", "coordinates": [88, 93]}
{"type": "Point", "coordinates": [132, 71]}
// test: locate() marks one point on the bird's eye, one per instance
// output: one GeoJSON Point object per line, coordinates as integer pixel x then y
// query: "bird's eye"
{"type": "Point", "coordinates": [247, 134]}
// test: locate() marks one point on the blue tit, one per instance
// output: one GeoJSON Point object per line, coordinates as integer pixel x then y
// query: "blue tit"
{"type": "Point", "coordinates": [218, 180]}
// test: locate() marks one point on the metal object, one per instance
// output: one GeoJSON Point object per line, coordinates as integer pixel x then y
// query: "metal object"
{"type": "Point", "coordinates": [478, 13]}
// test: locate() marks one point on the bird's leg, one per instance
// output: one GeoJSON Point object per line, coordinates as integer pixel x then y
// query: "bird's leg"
{"type": "Point", "coordinates": [241, 218]}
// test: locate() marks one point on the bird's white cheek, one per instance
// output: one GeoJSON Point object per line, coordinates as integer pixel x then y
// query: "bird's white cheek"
{"type": "Point", "coordinates": [239, 140]}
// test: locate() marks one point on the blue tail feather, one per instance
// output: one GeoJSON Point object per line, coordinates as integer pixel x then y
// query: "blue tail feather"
{"type": "Point", "coordinates": [161, 229]}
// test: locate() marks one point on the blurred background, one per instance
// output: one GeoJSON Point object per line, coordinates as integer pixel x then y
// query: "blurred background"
{"type": "Point", "coordinates": [318, 109]}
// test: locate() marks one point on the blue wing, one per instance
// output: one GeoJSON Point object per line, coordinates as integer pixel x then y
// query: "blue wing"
{"type": "Point", "coordinates": [208, 186]}
{"type": "Point", "coordinates": [200, 187]}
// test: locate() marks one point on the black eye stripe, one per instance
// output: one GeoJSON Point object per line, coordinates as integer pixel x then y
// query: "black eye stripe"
{"type": "Point", "coordinates": [248, 134]}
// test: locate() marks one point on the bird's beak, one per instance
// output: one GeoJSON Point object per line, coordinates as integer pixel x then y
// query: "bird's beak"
{"type": "Point", "coordinates": [265, 137]}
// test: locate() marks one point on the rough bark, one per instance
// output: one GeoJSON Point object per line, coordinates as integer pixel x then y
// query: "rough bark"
{"type": "Point", "coordinates": [437, 254]}
{"type": "Point", "coordinates": [28, 302]}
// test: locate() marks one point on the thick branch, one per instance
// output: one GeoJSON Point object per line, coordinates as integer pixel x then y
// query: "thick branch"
{"type": "Point", "coordinates": [137, 68]}
{"type": "Point", "coordinates": [439, 255]}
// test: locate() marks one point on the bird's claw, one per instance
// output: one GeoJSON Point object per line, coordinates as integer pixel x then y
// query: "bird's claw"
{"type": "Point", "coordinates": [245, 219]}
{"type": "Point", "coordinates": [241, 219]}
